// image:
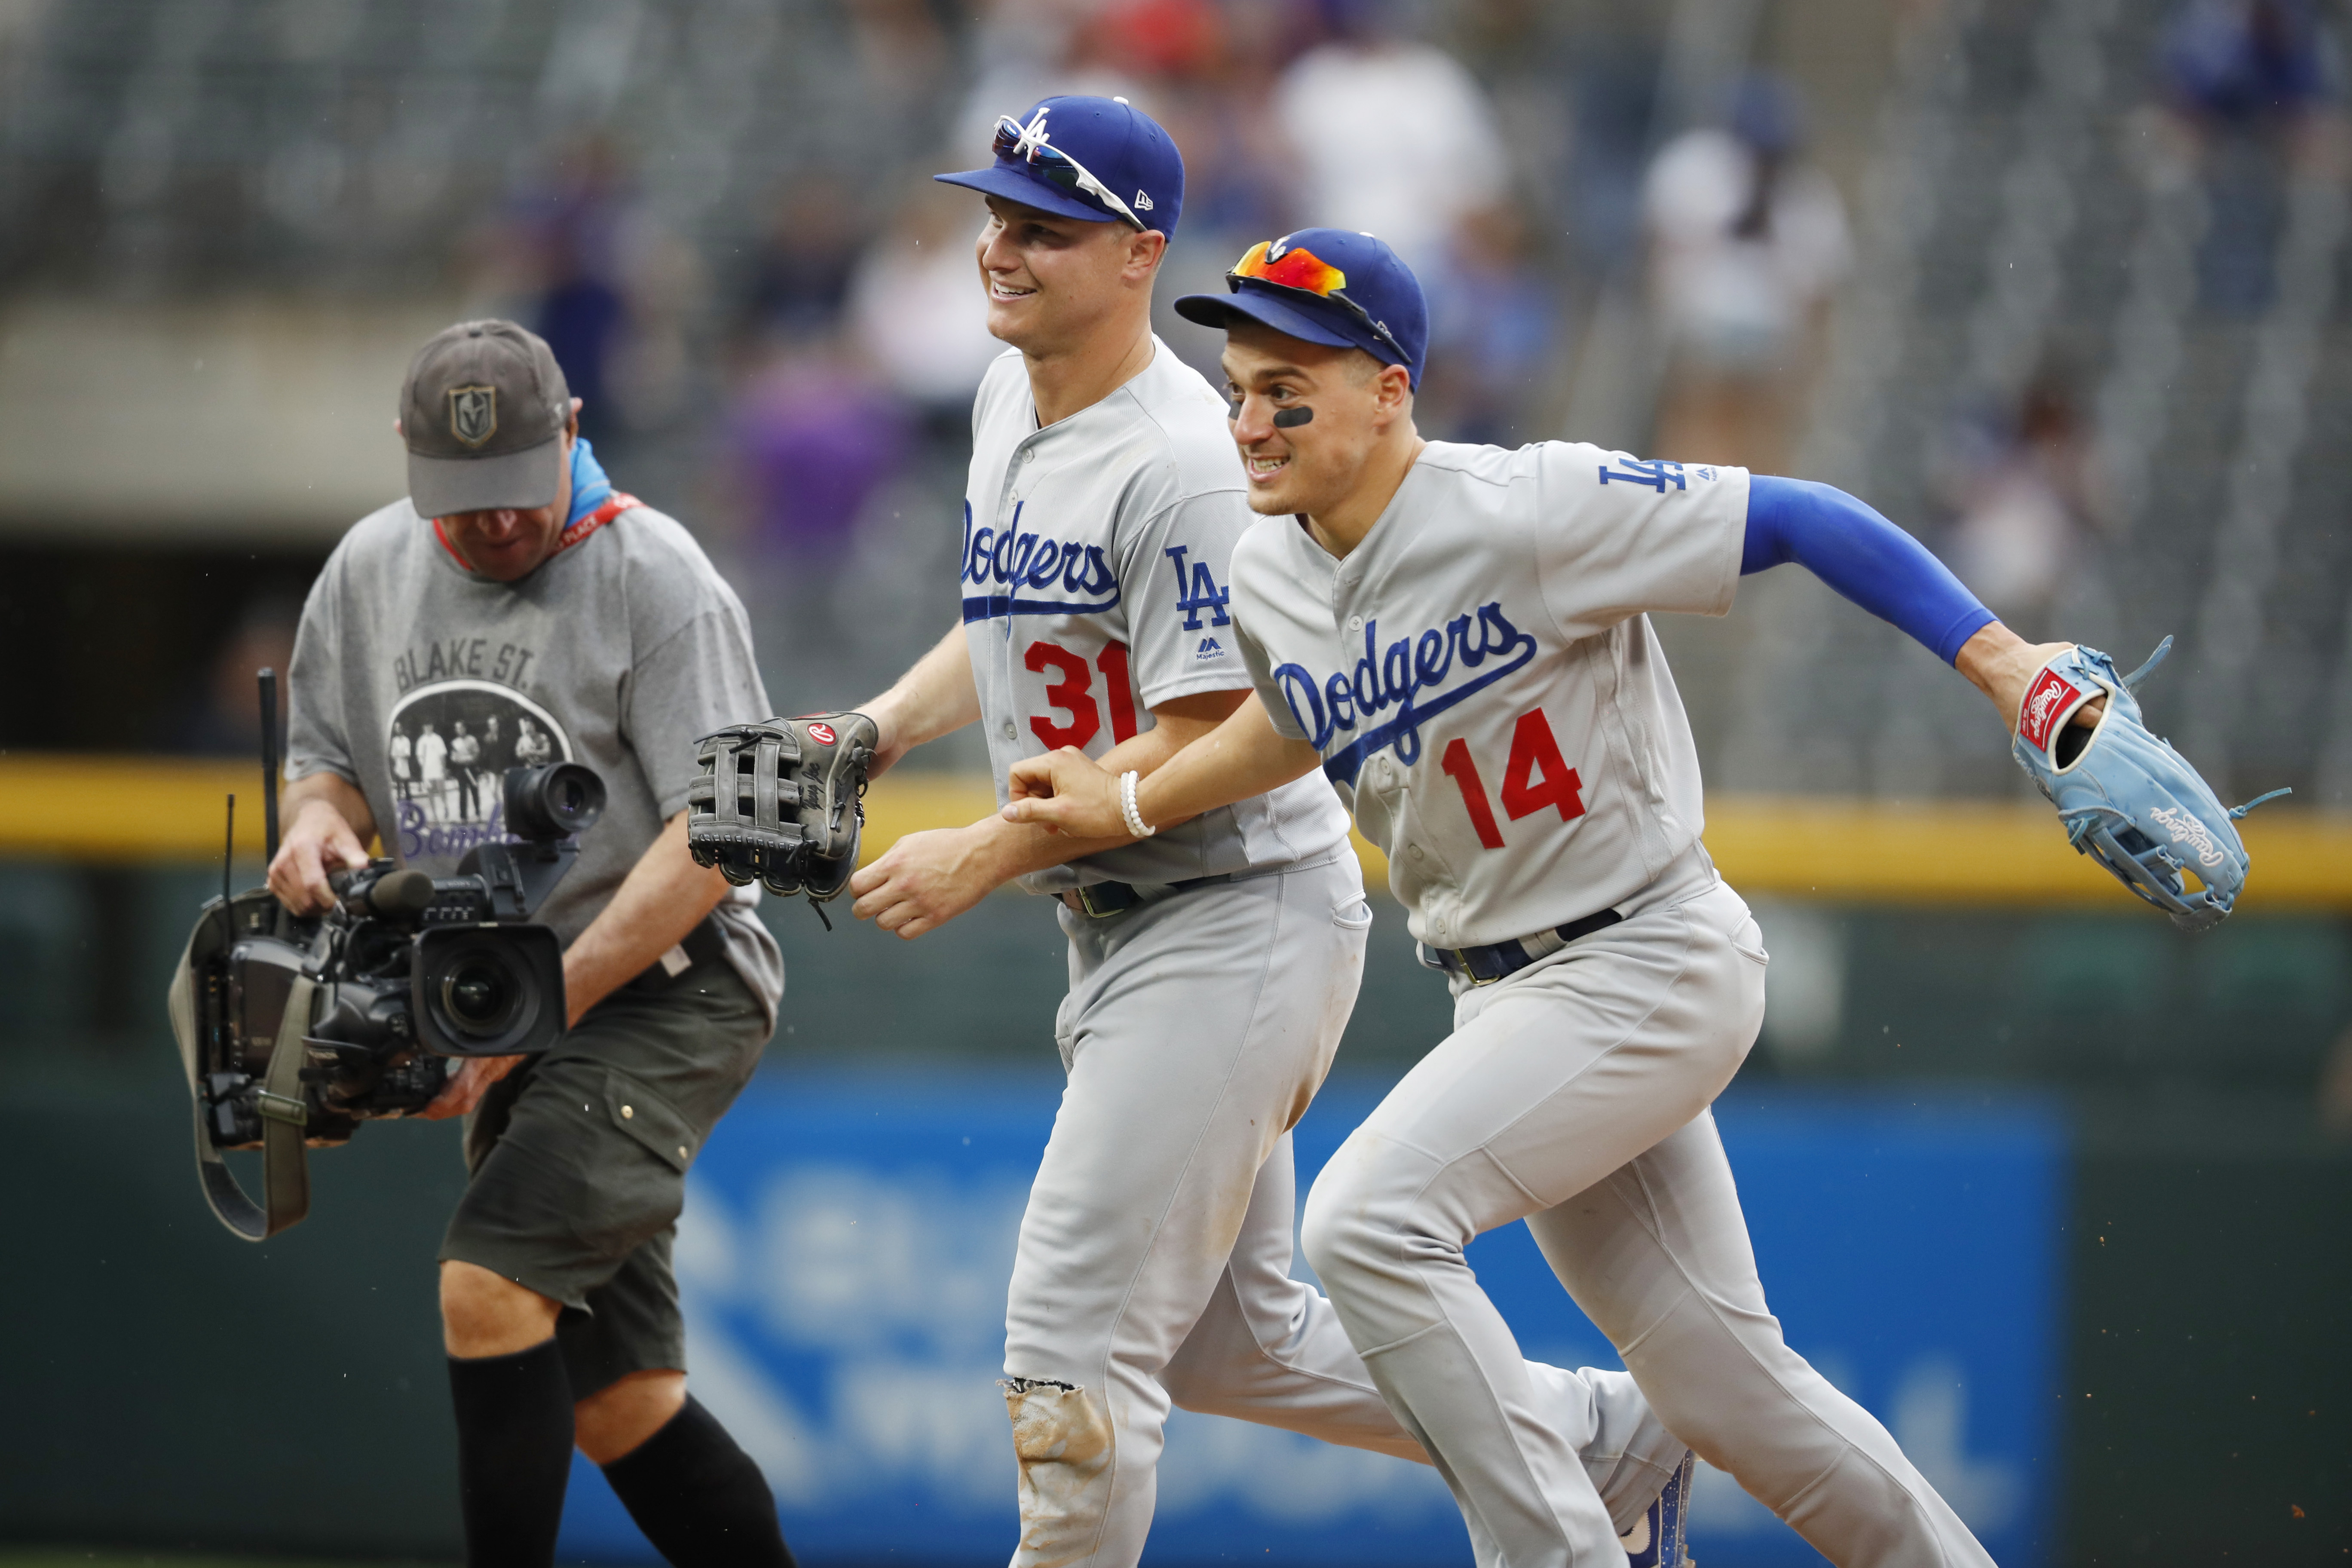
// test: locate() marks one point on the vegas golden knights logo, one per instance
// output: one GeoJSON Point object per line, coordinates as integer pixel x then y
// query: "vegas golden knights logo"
{"type": "Point", "coordinates": [473, 413]}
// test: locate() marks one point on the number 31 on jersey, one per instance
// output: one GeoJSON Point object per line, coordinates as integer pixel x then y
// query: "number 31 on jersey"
{"type": "Point", "coordinates": [1534, 777]}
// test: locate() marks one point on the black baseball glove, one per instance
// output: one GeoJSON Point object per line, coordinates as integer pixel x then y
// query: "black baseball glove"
{"type": "Point", "coordinates": [779, 803]}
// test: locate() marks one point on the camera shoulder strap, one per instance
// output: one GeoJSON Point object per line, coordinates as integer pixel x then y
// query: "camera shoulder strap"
{"type": "Point", "coordinates": [285, 1163]}
{"type": "Point", "coordinates": [244, 1217]}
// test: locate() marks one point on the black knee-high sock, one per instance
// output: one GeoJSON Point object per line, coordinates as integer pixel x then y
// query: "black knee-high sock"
{"type": "Point", "coordinates": [698, 1497]}
{"type": "Point", "coordinates": [514, 1454]}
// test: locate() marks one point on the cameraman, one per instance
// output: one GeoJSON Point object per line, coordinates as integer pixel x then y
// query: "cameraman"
{"type": "Point", "coordinates": [516, 583]}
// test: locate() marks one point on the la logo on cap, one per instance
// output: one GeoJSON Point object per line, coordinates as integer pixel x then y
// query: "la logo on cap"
{"type": "Point", "coordinates": [473, 413]}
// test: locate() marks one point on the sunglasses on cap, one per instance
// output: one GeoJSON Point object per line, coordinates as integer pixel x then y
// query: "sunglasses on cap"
{"type": "Point", "coordinates": [1015, 140]}
{"type": "Point", "coordinates": [1302, 271]}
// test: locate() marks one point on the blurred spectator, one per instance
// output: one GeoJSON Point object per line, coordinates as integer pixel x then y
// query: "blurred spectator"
{"type": "Point", "coordinates": [814, 436]}
{"type": "Point", "coordinates": [2249, 63]}
{"type": "Point", "coordinates": [902, 53]}
{"type": "Point", "coordinates": [567, 227]}
{"type": "Point", "coordinates": [799, 281]}
{"type": "Point", "coordinates": [1394, 137]}
{"type": "Point", "coordinates": [607, 286]}
{"type": "Point", "coordinates": [917, 308]}
{"type": "Point", "coordinates": [2022, 487]}
{"type": "Point", "coordinates": [1153, 39]}
{"type": "Point", "coordinates": [1212, 78]}
{"type": "Point", "coordinates": [222, 716]}
{"type": "Point", "coordinates": [2248, 93]}
{"type": "Point", "coordinates": [1493, 316]}
{"type": "Point", "coordinates": [1030, 50]}
{"type": "Point", "coordinates": [1746, 243]}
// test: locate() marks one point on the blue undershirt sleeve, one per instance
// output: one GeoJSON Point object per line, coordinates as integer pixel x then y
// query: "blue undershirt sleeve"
{"type": "Point", "coordinates": [1861, 555]}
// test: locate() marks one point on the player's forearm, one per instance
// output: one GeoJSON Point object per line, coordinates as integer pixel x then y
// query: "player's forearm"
{"type": "Point", "coordinates": [337, 792]}
{"type": "Point", "coordinates": [664, 896]}
{"type": "Point", "coordinates": [1009, 849]}
{"type": "Point", "coordinates": [1244, 756]}
{"type": "Point", "coordinates": [934, 698]}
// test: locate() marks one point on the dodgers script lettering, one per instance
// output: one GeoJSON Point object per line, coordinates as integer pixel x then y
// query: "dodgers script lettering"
{"type": "Point", "coordinates": [1396, 677]}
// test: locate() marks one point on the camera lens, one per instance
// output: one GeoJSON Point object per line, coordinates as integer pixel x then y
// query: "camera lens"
{"type": "Point", "coordinates": [481, 994]}
{"type": "Point", "coordinates": [552, 801]}
{"type": "Point", "coordinates": [488, 990]}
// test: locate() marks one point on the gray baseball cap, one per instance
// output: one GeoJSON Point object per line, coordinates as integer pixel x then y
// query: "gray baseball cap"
{"type": "Point", "coordinates": [483, 412]}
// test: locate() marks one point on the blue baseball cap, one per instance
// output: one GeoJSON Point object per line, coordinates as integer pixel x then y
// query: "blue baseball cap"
{"type": "Point", "coordinates": [1374, 303]}
{"type": "Point", "coordinates": [1100, 160]}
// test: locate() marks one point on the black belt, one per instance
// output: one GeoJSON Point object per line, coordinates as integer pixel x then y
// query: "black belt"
{"type": "Point", "coordinates": [1485, 965]}
{"type": "Point", "coordinates": [705, 943]}
{"type": "Point", "coordinates": [1100, 901]}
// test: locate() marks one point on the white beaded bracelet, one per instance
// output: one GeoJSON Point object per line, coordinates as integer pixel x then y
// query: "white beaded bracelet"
{"type": "Point", "coordinates": [1126, 810]}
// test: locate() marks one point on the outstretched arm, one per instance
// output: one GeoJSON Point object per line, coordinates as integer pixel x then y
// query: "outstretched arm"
{"type": "Point", "coordinates": [1881, 568]}
{"type": "Point", "coordinates": [926, 879]}
{"type": "Point", "coordinates": [1068, 792]}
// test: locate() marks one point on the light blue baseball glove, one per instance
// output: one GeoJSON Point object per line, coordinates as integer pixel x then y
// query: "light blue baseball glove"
{"type": "Point", "coordinates": [2128, 800]}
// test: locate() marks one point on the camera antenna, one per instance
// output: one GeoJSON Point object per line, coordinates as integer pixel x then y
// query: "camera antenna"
{"type": "Point", "coordinates": [269, 763]}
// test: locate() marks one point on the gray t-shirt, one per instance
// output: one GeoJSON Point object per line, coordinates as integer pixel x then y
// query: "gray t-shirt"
{"type": "Point", "coordinates": [1095, 555]}
{"type": "Point", "coordinates": [421, 682]}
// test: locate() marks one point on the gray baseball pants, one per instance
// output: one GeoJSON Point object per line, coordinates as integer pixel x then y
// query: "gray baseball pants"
{"type": "Point", "coordinates": [1154, 1260]}
{"type": "Point", "coordinates": [1575, 1095]}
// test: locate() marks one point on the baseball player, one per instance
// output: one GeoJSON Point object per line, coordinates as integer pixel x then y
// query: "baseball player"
{"type": "Point", "coordinates": [1212, 967]}
{"type": "Point", "coordinates": [1459, 637]}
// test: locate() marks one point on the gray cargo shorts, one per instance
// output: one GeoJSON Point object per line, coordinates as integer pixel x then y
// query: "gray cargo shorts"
{"type": "Point", "coordinates": [579, 1160]}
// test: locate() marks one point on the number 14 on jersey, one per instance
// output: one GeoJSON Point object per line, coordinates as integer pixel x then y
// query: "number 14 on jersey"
{"type": "Point", "coordinates": [1534, 776]}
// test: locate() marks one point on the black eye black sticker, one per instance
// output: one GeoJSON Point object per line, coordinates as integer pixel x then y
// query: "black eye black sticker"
{"type": "Point", "coordinates": [1291, 418]}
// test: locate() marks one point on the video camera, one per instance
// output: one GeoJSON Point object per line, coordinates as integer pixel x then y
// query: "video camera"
{"type": "Point", "coordinates": [294, 1029]}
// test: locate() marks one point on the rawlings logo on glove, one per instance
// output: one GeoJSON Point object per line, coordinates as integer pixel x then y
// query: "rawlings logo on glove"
{"type": "Point", "coordinates": [779, 803]}
{"type": "Point", "coordinates": [2045, 700]}
{"type": "Point", "coordinates": [2128, 799]}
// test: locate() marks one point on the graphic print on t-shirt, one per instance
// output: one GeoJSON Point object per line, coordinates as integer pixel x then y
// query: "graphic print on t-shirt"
{"type": "Point", "coordinates": [451, 744]}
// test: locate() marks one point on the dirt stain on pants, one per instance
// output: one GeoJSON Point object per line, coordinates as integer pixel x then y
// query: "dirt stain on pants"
{"type": "Point", "coordinates": [1063, 1440]}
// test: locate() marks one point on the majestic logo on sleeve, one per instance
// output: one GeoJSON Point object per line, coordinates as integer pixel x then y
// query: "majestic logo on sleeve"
{"type": "Point", "coordinates": [473, 413]}
{"type": "Point", "coordinates": [1019, 573]}
{"type": "Point", "coordinates": [1395, 679]}
{"type": "Point", "coordinates": [2050, 696]}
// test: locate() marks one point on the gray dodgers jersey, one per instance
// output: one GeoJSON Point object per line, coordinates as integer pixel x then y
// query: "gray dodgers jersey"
{"type": "Point", "coordinates": [422, 681]}
{"type": "Point", "coordinates": [1093, 572]}
{"type": "Point", "coordinates": [1483, 683]}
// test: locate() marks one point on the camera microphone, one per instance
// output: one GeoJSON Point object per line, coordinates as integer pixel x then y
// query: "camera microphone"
{"type": "Point", "coordinates": [399, 897]}
{"type": "Point", "coordinates": [404, 895]}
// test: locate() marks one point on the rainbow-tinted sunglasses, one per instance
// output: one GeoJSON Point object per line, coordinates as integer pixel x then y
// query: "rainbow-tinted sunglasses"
{"type": "Point", "coordinates": [1015, 140]}
{"type": "Point", "coordinates": [1302, 271]}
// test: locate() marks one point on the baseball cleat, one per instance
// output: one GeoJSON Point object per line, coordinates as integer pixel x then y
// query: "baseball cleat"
{"type": "Point", "coordinates": [1656, 1540]}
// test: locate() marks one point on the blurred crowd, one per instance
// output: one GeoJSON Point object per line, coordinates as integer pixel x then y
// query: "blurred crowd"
{"type": "Point", "coordinates": [1510, 152]}
{"type": "Point", "coordinates": [804, 368]}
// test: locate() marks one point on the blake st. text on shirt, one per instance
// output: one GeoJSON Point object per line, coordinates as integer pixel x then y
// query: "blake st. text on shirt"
{"type": "Point", "coordinates": [451, 658]}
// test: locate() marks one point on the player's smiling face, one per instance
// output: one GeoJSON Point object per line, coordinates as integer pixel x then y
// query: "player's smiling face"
{"type": "Point", "coordinates": [1307, 466]}
{"type": "Point", "coordinates": [1052, 280]}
